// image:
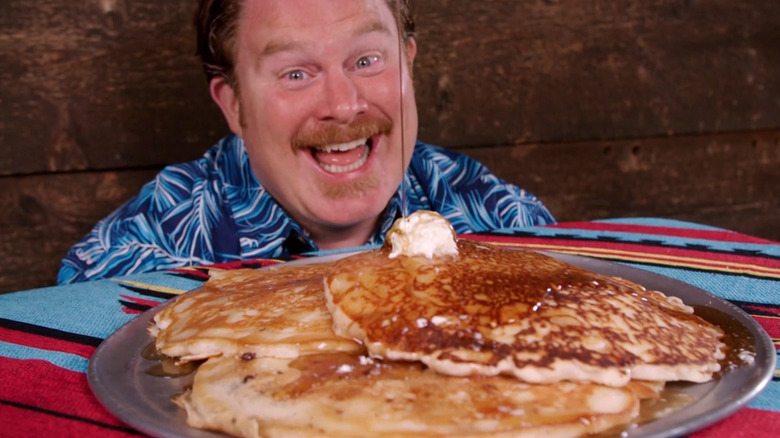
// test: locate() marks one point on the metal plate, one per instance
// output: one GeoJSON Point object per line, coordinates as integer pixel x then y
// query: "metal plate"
{"type": "Point", "coordinates": [117, 372]}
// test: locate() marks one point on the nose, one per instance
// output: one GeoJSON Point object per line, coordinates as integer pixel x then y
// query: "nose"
{"type": "Point", "coordinates": [342, 99]}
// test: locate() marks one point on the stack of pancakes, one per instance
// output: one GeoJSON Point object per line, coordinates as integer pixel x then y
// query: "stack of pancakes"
{"type": "Point", "coordinates": [489, 342]}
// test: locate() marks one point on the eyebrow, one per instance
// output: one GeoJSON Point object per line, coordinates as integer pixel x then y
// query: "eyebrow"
{"type": "Point", "coordinates": [274, 47]}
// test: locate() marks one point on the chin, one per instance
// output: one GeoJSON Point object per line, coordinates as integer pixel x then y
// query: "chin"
{"type": "Point", "coordinates": [348, 212]}
{"type": "Point", "coordinates": [358, 200]}
{"type": "Point", "coordinates": [361, 190]}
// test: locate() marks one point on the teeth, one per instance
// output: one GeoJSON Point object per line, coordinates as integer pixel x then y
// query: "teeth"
{"type": "Point", "coordinates": [332, 168]}
{"type": "Point", "coordinates": [343, 146]}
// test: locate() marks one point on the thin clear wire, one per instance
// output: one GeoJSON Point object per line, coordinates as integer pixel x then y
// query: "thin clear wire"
{"type": "Point", "coordinates": [401, 37]}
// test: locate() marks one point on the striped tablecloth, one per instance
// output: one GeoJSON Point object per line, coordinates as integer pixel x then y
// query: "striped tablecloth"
{"type": "Point", "coordinates": [48, 335]}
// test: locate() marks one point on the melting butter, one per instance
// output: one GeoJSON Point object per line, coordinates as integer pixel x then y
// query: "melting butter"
{"type": "Point", "coordinates": [424, 233]}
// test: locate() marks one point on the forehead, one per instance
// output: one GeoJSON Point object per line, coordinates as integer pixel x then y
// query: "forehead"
{"type": "Point", "coordinates": [299, 20]}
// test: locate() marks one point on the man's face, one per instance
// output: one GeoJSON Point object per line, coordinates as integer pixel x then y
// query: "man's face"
{"type": "Point", "coordinates": [318, 104]}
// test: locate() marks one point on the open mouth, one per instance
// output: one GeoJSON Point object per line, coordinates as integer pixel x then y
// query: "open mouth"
{"type": "Point", "coordinates": [343, 157]}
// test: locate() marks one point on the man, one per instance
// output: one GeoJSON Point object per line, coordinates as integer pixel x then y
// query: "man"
{"type": "Point", "coordinates": [319, 96]}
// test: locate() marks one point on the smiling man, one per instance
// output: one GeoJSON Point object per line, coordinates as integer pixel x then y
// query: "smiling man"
{"type": "Point", "coordinates": [320, 100]}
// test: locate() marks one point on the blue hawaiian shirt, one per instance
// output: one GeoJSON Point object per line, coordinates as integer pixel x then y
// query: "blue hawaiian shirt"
{"type": "Point", "coordinates": [213, 210]}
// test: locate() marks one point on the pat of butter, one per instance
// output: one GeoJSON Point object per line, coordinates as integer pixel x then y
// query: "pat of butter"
{"type": "Point", "coordinates": [424, 233]}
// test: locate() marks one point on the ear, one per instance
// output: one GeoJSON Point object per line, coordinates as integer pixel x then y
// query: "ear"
{"type": "Point", "coordinates": [411, 51]}
{"type": "Point", "coordinates": [227, 99]}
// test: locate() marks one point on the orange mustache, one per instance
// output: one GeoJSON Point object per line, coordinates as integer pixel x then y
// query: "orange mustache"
{"type": "Point", "coordinates": [330, 133]}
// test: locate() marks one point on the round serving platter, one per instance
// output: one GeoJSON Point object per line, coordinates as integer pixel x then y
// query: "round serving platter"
{"type": "Point", "coordinates": [118, 372]}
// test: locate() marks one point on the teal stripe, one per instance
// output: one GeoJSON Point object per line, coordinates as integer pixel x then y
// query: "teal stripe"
{"type": "Point", "coordinates": [726, 286]}
{"type": "Point", "coordinates": [767, 400]}
{"type": "Point", "coordinates": [340, 251]}
{"type": "Point", "coordinates": [70, 362]}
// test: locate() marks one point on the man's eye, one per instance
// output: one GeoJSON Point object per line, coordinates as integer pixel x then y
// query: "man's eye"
{"type": "Point", "coordinates": [296, 75]}
{"type": "Point", "coordinates": [367, 61]}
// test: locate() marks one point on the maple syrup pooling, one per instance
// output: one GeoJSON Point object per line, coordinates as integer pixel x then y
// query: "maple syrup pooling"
{"type": "Point", "coordinates": [166, 366]}
{"type": "Point", "coordinates": [740, 343]}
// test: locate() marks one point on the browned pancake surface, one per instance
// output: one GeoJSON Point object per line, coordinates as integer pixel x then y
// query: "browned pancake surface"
{"type": "Point", "coordinates": [273, 312]}
{"type": "Point", "coordinates": [491, 310]}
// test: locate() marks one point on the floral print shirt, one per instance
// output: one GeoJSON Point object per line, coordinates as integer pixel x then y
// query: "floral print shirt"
{"type": "Point", "coordinates": [213, 210]}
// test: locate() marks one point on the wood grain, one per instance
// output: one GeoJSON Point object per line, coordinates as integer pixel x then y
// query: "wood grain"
{"type": "Point", "coordinates": [728, 180]}
{"type": "Point", "coordinates": [508, 71]}
{"type": "Point", "coordinates": [100, 85]}
{"type": "Point", "coordinates": [42, 216]}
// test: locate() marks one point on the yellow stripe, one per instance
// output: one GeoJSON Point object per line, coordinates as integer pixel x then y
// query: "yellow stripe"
{"type": "Point", "coordinates": [190, 268]}
{"type": "Point", "coordinates": [713, 265]}
{"type": "Point", "coordinates": [172, 291]}
{"type": "Point", "coordinates": [152, 287]}
{"type": "Point", "coordinates": [199, 268]}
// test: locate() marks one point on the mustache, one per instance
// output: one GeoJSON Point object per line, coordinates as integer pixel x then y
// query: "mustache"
{"type": "Point", "coordinates": [330, 133]}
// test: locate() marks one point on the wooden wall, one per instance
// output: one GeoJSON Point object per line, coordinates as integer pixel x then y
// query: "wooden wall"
{"type": "Point", "coordinates": [602, 108]}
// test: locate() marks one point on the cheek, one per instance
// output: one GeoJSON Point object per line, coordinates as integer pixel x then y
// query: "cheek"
{"type": "Point", "coordinates": [384, 93]}
{"type": "Point", "coordinates": [287, 104]}
{"type": "Point", "coordinates": [278, 116]}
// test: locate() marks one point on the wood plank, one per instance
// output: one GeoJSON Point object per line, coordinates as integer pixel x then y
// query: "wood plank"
{"type": "Point", "coordinates": [107, 84]}
{"type": "Point", "coordinates": [509, 71]}
{"type": "Point", "coordinates": [730, 180]}
{"type": "Point", "coordinates": [42, 216]}
{"type": "Point", "coordinates": [100, 85]}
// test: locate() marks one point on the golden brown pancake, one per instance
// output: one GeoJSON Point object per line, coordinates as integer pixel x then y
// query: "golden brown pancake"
{"type": "Point", "coordinates": [340, 395]}
{"type": "Point", "coordinates": [490, 310]}
{"type": "Point", "coordinates": [275, 312]}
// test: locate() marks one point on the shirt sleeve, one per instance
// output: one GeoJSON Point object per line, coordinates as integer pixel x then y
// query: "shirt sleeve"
{"type": "Point", "coordinates": [170, 223]}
